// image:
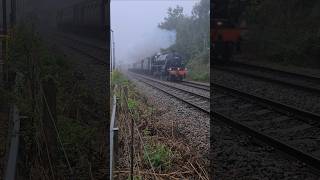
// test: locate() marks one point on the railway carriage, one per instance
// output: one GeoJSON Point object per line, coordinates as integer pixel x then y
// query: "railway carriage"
{"type": "Point", "coordinates": [146, 66]}
{"type": "Point", "coordinates": [87, 18]}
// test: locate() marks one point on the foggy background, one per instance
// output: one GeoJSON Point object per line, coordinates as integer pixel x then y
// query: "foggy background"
{"type": "Point", "coordinates": [135, 27]}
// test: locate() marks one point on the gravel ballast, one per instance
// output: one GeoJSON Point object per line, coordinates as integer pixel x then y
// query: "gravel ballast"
{"type": "Point", "coordinates": [297, 98]}
{"type": "Point", "coordinates": [189, 121]}
{"type": "Point", "coordinates": [237, 156]}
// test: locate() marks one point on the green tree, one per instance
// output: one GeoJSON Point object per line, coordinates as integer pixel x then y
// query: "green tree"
{"type": "Point", "coordinates": [174, 18]}
{"type": "Point", "coordinates": [192, 32]}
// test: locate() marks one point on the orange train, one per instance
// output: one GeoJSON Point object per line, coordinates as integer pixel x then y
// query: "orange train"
{"type": "Point", "coordinates": [225, 39]}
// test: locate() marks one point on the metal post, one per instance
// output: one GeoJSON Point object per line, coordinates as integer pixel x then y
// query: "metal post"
{"type": "Point", "coordinates": [114, 53]}
{"type": "Point", "coordinates": [111, 53]}
{"type": "Point", "coordinates": [14, 146]}
{"type": "Point", "coordinates": [131, 168]}
{"type": "Point", "coordinates": [113, 136]}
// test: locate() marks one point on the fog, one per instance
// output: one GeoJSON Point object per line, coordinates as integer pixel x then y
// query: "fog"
{"type": "Point", "coordinates": [135, 27]}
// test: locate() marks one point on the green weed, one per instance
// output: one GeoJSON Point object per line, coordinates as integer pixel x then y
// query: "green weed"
{"type": "Point", "coordinates": [132, 104]}
{"type": "Point", "coordinates": [118, 78]}
{"type": "Point", "coordinates": [160, 156]}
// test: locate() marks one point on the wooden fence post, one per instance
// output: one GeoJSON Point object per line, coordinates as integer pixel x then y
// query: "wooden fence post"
{"type": "Point", "coordinates": [49, 118]}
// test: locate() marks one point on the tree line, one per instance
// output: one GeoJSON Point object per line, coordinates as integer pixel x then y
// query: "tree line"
{"type": "Point", "coordinates": [192, 35]}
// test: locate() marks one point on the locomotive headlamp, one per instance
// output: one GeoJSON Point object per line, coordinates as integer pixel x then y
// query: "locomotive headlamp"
{"type": "Point", "coordinates": [169, 69]}
{"type": "Point", "coordinates": [219, 23]}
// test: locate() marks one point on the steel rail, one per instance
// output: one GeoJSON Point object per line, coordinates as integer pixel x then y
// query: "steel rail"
{"type": "Point", "coordinates": [85, 53]}
{"type": "Point", "coordinates": [284, 147]}
{"type": "Point", "coordinates": [308, 159]}
{"type": "Point", "coordinates": [180, 89]}
{"type": "Point", "coordinates": [272, 70]}
{"type": "Point", "coordinates": [196, 85]}
{"type": "Point", "coordinates": [207, 111]}
{"type": "Point", "coordinates": [305, 115]}
{"type": "Point", "coordinates": [277, 144]}
{"type": "Point", "coordinates": [82, 42]}
{"type": "Point", "coordinates": [269, 79]}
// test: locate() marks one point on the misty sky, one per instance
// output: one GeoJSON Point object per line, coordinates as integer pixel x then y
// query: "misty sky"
{"type": "Point", "coordinates": [135, 28]}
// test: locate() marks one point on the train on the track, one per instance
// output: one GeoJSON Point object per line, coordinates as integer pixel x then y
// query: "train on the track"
{"type": "Point", "coordinates": [225, 39]}
{"type": "Point", "coordinates": [227, 29]}
{"type": "Point", "coordinates": [166, 66]}
{"type": "Point", "coordinates": [88, 18]}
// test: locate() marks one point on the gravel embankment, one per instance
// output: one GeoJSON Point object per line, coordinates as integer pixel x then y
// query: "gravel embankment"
{"type": "Point", "coordinates": [189, 121]}
{"type": "Point", "coordinates": [297, 98]}
{"type": "Point", "coordinates": [237, 156]}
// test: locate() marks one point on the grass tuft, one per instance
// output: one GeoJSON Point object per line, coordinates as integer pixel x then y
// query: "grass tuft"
{"type": "Point", "coordinates": [160, 156]}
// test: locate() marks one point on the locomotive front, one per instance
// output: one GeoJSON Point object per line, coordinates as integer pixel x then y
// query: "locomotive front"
{"type": "Point", "coordinates": [175, 68]}
{"type": "Point", "coordinates": [225, 39]}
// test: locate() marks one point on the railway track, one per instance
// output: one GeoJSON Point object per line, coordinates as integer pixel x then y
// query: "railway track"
{"type": "Point", "coordinates": [287, 129]}
{"type": "Point", "coordinates": [196, 85]}
{"type": "Point", "coordinates": [196, 100]}
{"type": "Point", "coordinates": [292, 131]}
{"type": "Point", "coordinates": [87, 49]}
{"type": "Point", "coordinates": [293, 80]}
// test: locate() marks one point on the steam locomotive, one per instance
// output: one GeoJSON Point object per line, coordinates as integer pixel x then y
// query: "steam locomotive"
{"type": "Point", "coordinates": [226, 32]}
{"type": "Point", "coordinates": [225, 39]}
{"type": "Point", "coordinates": [86, 18]}
{"type": "Point", "coordinates": [167, 66]}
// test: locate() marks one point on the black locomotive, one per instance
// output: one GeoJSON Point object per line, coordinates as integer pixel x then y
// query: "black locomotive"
{"type": "Point", "coordinates": [168, 66]}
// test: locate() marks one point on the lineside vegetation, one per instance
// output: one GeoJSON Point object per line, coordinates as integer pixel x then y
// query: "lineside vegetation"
{"type": "Point", "coordinates": [160, 151]}
{"type": "Point", "coordinates": [76, 152]}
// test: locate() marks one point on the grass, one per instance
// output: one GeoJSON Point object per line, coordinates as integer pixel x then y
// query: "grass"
{"type": "Point", "coordinates": [76, 138]}
{"type": "Point", "coordinates": [132, 104]}
{"type": "Point", "coordinates": [117, 78]}
{"type": "Point", "coordinates": [159, 155]}
{"type": "Point", "coordinates": [35, 61]}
